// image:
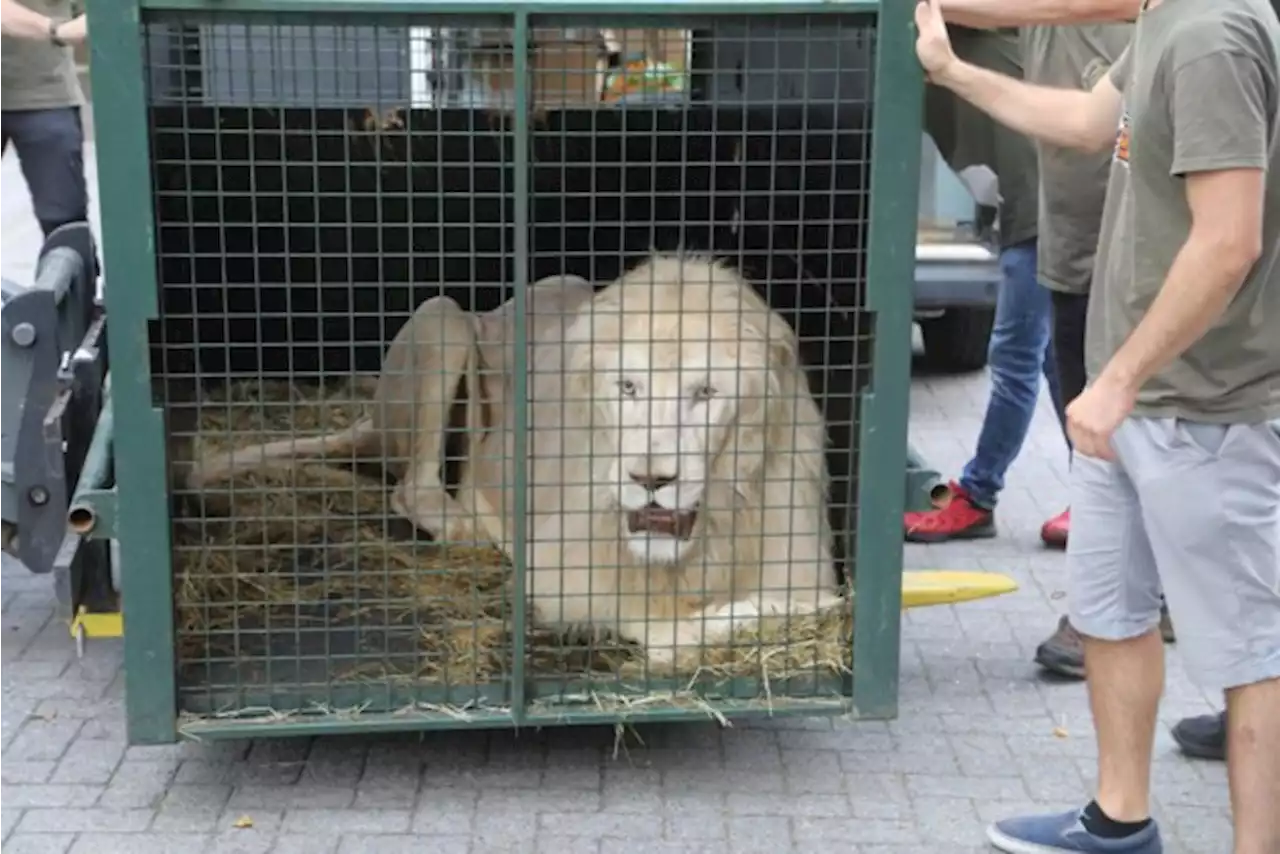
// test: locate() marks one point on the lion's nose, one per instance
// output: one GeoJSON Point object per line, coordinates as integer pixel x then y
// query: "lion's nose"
{"type": "Point", "coordinates": [653, 482]}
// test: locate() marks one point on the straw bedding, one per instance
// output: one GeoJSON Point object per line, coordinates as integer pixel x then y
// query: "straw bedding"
{"type": "Point", "coordinates": [313, 549]}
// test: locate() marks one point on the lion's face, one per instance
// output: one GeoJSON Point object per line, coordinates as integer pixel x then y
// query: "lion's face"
{"type": "Point", "coordinates": [672, 414]}
{"type": "Point", "coordinates": [676, 378]}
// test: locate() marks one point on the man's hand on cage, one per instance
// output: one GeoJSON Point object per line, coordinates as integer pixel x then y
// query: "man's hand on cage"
{"type": "Point", "coordinates": [933, 45]}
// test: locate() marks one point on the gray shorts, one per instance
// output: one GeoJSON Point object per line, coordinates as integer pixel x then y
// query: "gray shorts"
{"type": "Point", "coordinates": [1192, 509]}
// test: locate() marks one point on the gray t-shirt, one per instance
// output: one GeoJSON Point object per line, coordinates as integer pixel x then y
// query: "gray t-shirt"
{"type": "Point", "coordinates": [38, 75]}
{"type": "Point", "coordinates": [1201, 91]}
{"type": "Point", "coordinates": [966, 136]}
{"type": "Point", "coordinates": [1073, 185]}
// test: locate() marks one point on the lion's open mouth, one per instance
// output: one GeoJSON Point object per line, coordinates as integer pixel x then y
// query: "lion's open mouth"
{"type": "Point", "coordinates": [661, 520]}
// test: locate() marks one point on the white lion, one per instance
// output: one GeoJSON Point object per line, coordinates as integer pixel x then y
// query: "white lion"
{"type": "Point", "coordinates": [675, 456]}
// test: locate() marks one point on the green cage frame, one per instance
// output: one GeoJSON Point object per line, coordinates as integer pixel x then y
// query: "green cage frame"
{"type": "Point", "coordinates": [130, 249]}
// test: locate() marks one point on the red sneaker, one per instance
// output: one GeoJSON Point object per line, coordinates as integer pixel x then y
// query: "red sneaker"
{"type": "Point", "coordinates": [958, 520]}
{"type": "Point", "coordinates": [1054, 532]}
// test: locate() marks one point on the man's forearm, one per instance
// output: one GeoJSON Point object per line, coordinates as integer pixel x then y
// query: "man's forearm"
{"type": "Point", "coordinates": [20, 22]}
{"type": "Point", "coordinates": [1051, 115]}
{"type": "Point", "coordinates": [989, 14]}
{"type": "Point", "coordinates": [1200, 284]}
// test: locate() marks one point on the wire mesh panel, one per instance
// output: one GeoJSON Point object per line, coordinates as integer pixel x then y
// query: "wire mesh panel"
{"type": "Point", "coordinates": [498, 402]}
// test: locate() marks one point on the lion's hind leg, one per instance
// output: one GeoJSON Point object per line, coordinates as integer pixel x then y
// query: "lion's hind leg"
{"type": "Point", "coordinates": [436, 350]}
{"type": "Point", "coordinates": [224, 465]}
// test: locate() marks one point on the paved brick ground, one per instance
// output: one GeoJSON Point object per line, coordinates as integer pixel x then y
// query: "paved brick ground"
{"type": "Point", "coordinates": [976, 737]}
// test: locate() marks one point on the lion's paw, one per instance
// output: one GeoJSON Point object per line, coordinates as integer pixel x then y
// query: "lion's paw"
{"type": "Point", "coordinates": [464, 532]}
{"type": "Point", "coordinates": [439, 515]}
{"type": "Point", "coordinates": [829, 601]}
{"type": "Point", "coordinates": [723, 621]}
{"type": "Point", "coordinates": [661, 656]}
{"type": "Point", "coordinates": [710, 626]}
{"type": "Point", "coordinates": [798, 607]}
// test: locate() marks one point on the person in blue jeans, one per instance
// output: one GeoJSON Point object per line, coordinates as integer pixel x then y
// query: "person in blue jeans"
{"type": "Point", "coordinates": [1021, 349]}
{"type": "Point", "coordinates": [1020, 353]}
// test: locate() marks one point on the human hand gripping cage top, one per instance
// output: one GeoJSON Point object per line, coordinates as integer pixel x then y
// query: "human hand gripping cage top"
{"type": "Point", "coordinates": [676, 469]}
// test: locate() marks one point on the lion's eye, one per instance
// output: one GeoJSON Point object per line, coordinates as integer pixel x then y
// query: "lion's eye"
{"type": "Point", "coordinates": [705, 392]}
{"type": "Point", "coordinates": [627, 387]}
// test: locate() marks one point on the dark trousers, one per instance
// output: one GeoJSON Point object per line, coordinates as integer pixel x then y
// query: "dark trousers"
{"type": "Point", "coordinates": [50, 145]}
{"type": "Point", "coordinates": [1069, 311]}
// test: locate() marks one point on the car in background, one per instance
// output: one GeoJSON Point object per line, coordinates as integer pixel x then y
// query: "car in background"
{"type": "Point", "coordinates": [957, 269]}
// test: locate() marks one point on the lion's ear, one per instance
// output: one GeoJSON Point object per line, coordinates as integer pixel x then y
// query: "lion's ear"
{"type": "Point", "coordinates": [781, 343]}
{"type": "Point", "coordinates": [578, 361]}
{"type": "Point", "coordinates": [785, 377]}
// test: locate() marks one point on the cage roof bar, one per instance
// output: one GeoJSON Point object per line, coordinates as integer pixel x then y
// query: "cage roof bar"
{"type": "Point", "coordinates": [510, 7]}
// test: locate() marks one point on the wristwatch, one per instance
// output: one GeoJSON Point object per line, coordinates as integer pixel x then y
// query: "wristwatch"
{"type": "Point", "coordinates": [53, 33]}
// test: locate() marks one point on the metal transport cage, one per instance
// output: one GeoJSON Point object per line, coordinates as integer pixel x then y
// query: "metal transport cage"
{"type": "Point", "coordinates": [483, 364]}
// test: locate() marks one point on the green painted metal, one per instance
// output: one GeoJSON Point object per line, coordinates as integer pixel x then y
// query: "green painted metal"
{"type": "Point", "coordinates": [426, 719]}
{"type": "Point", "coordinates": [128, 235]}
{"type": "Point", "coordinates": [520, 180]}
{"type": "Point", "coordinates": [97, 510]}
{"type": "Point", "coordinates": [895, 189]}
{"type": "Point", "coordinates": [559, 8]}
{"type": "Point", "coordinates": [520, 697]}
{"type": "Point", "coordinates": [93, 506]}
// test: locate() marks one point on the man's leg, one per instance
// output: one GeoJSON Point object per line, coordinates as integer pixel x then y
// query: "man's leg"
{"type": "Point", "coordinates": [1020, 342]}
{"type": "Point", "coordinates": [50, 145]}
{"type": "Point", "coordinates": [1069, 313]}
{"type": "Point", "coordinates": [1219, 559]}
{"type": "Point", "coordinates": [1115, 600]}
{"type": "Point", "coordinates": [1253, 765]}
{"type": "Point", "coordinates": [1063, 651]}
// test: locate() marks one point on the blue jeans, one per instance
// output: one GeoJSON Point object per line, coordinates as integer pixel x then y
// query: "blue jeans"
{"type": "Point", "coordinates": [1021, 349]}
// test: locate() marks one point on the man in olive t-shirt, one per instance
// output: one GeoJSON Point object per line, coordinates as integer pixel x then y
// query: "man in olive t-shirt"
{"type": "Point", "coordinates": [40, 108]}
{"type": "Point", "coordinates": [1176, 483]}
{"type": "Point", "coordinates": [1020, 349]}
{"type": "Point", "coordinates": [1073, 187]}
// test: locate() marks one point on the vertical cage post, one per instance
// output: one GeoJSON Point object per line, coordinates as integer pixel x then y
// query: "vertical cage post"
{"type": "Point", "coordinates": [520, 188]}
{"type": "Point", "coordinates": [895, 180]}
{"type": "Point", "coordinates": [128, 228]}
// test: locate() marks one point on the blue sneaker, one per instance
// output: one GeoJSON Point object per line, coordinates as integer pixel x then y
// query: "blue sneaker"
{"type": "Point", "coordinates": [1063, 833]}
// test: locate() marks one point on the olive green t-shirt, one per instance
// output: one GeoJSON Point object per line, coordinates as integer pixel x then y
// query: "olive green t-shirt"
{"type": "Point", "coordinates": [38, 75]}
{"type": "Point", "coordinates": [966, 136]}
{"type": "Point", "coordinates": [1073, 185]}
{"type": "Point", "coordinates": [1201, 92]}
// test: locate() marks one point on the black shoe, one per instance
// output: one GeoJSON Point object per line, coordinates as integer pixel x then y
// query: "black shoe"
{"type": "Point", "coordinates": [1063, 652]}
{"type": "Point", "coordinates": [1203, 737]}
